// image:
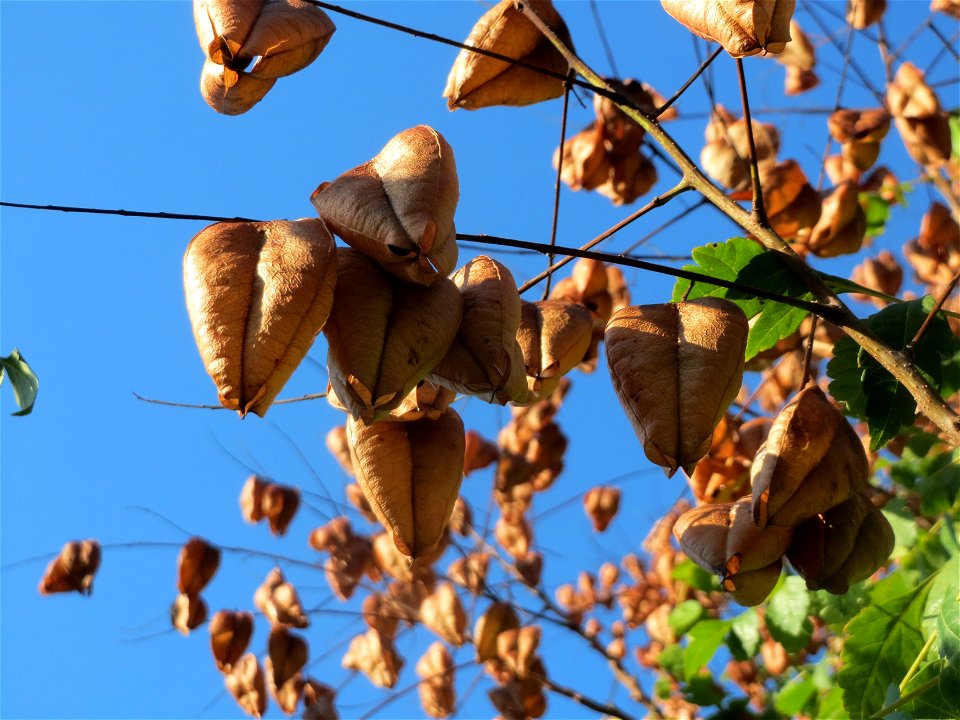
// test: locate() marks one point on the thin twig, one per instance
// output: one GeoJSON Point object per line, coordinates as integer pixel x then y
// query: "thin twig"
{"type": "Point", "coordinates": [864, 78]}
{"type": "Point", "coordinates": [588, 702]}
{"type": "Point", "coordinates": [683, 88]}
{"type": "Point", "coordinates": [909, 41]}
{"type": "Point", "coordinates": [559, 182]}
{"type": "Point", "coordinates": [808, 354]}
{"type": "Point", "coordinates": [285, 401]}
{"type": "Point", "coordinates": [127, 213]}
{"type": "Point", "coordinates": [945, 293]}
{"type": "Point", "coordinates": [759, 211]}
{"type": "Point", "coordinates": [603, 39]}
{"type": "Point", "coordinates": [946, 42]}
{"type": "Point", "coordinates": [838, 98]}
{"type": "Point", "coordinates": [909, 697]}
{"type": "Point", "coordinates": [667, 223]}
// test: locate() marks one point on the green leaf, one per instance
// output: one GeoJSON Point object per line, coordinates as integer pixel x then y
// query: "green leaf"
{"type": "Point", "coordinates": [694, 576]}
{"type": "Point", "coordinates": [744, 634]}
{"type": "Point", "coordinates": [22, 379]}
{"type": "Point", "coordinates": [842, 285]}
{"type": "Point", "coordinates": [794, 696]}
{"type": "Point", "coordinates": [703, 691]}
{"type": "Point", "coordinates": [940, 701]}
{"type": "Point", "coordinates": [787, 614]}
{"type": "Point", "coordinates": [943, 591]}
{"type": "Point", "coordinates": [663, 688]}
{"type": "Point", "coordinates": [940, 484]}
{"type": "Point", "coordinates": [830, 705]}
{"type": "Point", "coordinates": [670, 660]}
{"type": "Point", "coordinates": [904, 527]}
{"type": "Point", "coordinates": [954, 121]}
{"type": "Point", "coordinates": [877, 211]}
{"type": "Point", "coordinates": [685, 615]}
{"type": "Point", "coordinates": [837, 610]}
{"type": "Point", "coordinates": [881, 644]}
{"type": "Point", "coordinates": [746, 262]}
{"type": "Point", "coordinates": [705, 637]}
{"type": "Point", "coordinates": [948, 629]}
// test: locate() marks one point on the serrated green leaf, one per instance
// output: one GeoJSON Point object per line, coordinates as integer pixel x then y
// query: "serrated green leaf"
{"type": "Point", "coordinates": [705, 637]}
{"type": "Point", "coordinates": [837, 610]}
{"type": "Point", "coordinates": [948, 629]}
{"type": "Point", "coordinates": [830, 705]}
{"type": "Point", "coordinates": [942, 591]}
{"type": "Point", "coordinates": [881, 644]}
{"type": "Point", "coordinates": [703, 691]}
{"type": "Point", "coordinates": [685, 615]}
{"type": "Point", "coordinates": [842, 285]}
{"type": "Point", "coordinates": [939, 485]}
{"type": "Point", "coordinates": [942, 700]}
{"type": "Point", "coordinates": [794, 696]}
{"type": "Point", "coordinates": [22, 379]}
{"type": "Point", "coordinates": [904, 527]}
{"type": "Point", "coordinates": [787, 614]}
{"type": "Point", "coordinates": [745, 634]}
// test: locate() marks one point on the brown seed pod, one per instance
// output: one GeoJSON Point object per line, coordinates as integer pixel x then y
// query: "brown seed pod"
{"type": "Point", "coordinates": [922, 123]}
{"type": "Point", "coordinates": [514, 536]}
{"type": "Point", "coordinates": [318, 701]}
{"type": "Point", "coordinates": [398, 208]}
{"type": "Point", "coordinates": [385, 335]}
{"type": "Point", "coordinates": [351, 556]}
{"type": "Point", "coordinates": [374, 656]}
{"type": "Point", "coordinates": [949, 7]}
{"type": "Point", "coordinates": [410, 473]}
{"type": "Point", "coordinates": [286, 656]}
{"type": "Point", "coordinates": [477, 80]}
{"type": "Point", "coordinates": [257, 295]}
{"type": "Point", "coordinates": [676, 368]}
{"type": "Point", "coordinates": [281, 36]}
{"type": "Point", "coordinates": [188, 612]}
{"type": "Point", "coordinates": [743, 27]}
{"type": "Point", "coordinates": [882, 273]}
{"type": "Point", "coordinates": [843, 546]}
{"type": "Point", "coordinates": [812, 461]}
{"type": "Point", "coordinates": [478, 452]}
{"type": "Point", "coordinates": [442, 612]}
{"type": "Point", "coordinates": [279, 601]}
{"type": "Point", "coordinates": [73, 569]}
{"type": "Point", "coordinates": [517, 648]}
{"type": "Point", "coordinates": [793, 205]}
{"type": "Point", "coordinates": [842, 225]}
{"type": "Point", "coordinates": [553, 336]}
{"type": "Point", "coordinates": [436, 688]}
{"type": "Point", "coordinates": [485, 359]}
{"type": "Point", "coordinates": [196, 566]}
{"type": "Point", "coordinates": [279, 505]}
{"type": "Point", "coordinates": [859, 132]}
{"type": "Point", "coordinates": [230, 633]}
{"type": "Point", "coordinates": [246, 683]}
{"type": "Point", "coordinates": [530, 568]}
{"type": "Point", "coordinates": [601, 505]}
{"type": "Point", "coordinates": [461, 519]}
{"type": "Point", "coordinates": [726, 154]}
{"type": "Point", "coordinates": [499, 617]}
{"type": "Point", "coordinates": [799, 57]}
{"type": "Point", "coordinates": [863, 13]}
{"type": "Point", "coordinates": [470, 572]}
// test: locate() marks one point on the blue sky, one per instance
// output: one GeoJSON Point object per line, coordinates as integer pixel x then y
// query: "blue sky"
{"type": "Point", "coordinates": [99, 107]}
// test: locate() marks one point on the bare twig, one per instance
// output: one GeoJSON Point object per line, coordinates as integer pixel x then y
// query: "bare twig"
{"type": "Point", "coordinates": [759, 211]}
{"type": "Point", "coordinates": [285, 401]}
{"type": "Point", "coordinates": [808, 353]}
{"type": "Point", "coordinates": [683, 88]}
{"type": "Point", "coordinates": [667, 223]}
{"type": "Point", "coordinates": [603, 39]}
{"type": "Point", "coordinates": [559, 182]}
{"type": "Point", "coordinates": [588, 702]}
{"type": "Point", "coordinates": [944, 294]}
{"type": "Point", "coordinates": [946, 41]}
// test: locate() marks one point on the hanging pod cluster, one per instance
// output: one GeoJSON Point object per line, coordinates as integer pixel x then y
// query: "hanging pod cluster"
{"type": "Point", "coordinates": [809, 503]}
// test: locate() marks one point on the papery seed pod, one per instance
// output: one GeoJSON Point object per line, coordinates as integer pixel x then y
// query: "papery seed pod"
{"type": "Point", "coordinates": [498, 617]}
{"type": "Point", "coordinates": [380, 613]}
{"type": "Point", "coordinates": [398, 208]}
{"type": "Point", "coordinates": [232, 92]}
{"type": "Point", "coordinates": [622, 134]}
{"type": "Point", "coordinates": [553, 336]}
{"type": "Point", "coordinates": [921, 121]}
{"type": "Point", "coordinates": [775, 657]}
{"type": "Point", "coordinates": [461, 519]}
{"type": "Point", "coordinates": [374, 656]}
{"type": "Point", "coordinates": [859, 132]}
{"type": "Point", "coordinates": [251, 498]}
{"type": "Point", "coordinates": [726, 155]}
{"type": "Point", "coordinates": [406, 598]}
{"type": "Point", "coordinates": [247, 684]}
{"type": "Point", "coordinates": [477, 80]}
{"type": "Point", "coordinates": [356, 498]}
{"type": "Point", "coordinates": [812, 461]}
{"type": "Point", "coordinates": [793, 205]}
{"type": "Point", "coordinates": [517, 648]}
{"type": "Point", "coordinates": [743, 27]}
{"type": "Point", "coordinates": [514, 537]}
{"type": "Point", "coordinates": [630, 177]}
{"type": "Point", "coordinates": [843, 546]}
{"type": "Point", "coordinates": [586, 164]}
{"type": "Point", "coordinates": [279, 601]}
{"type": "Point", "coordinates": [485, 359]}
{"type": "Point", "coordinates": [230, 633]}
{"type": "Point", "coordinates": [337, 445]}
{"type": "Point", "coordinates": [279, 505]}
{"type": "Point", "coordinates": [676, 368]}
{"type": "Point", "coordinates": [521, 699]}
{"type": "Point", "coordinates": [332, 536]}
{"type": "Point", "coordinates": [389, 558]}
{"type": "Point", "coordinates": [188, 612]}
{"type": "Point", "coordinates": [318, 701]}
{"type": "Point", "coordinates": [882, 273]}
{"type": "Point", "coordinates": [443, 613]}
{"type": "Point", "coordinates": [470, 572]}
{"type": "Point", "coordinates": [478, 452]}
{"type": "Point", "coordinates": [257, 295]}
{"type": "Point", "coordinates": [286, 656]}
{"type": "Point", "coordinates": [949, 7]}
{"type": "Point", "coordinates": [601, 505]}
{"type": "Point", "coordinates": [863, 13]}
{"type": "Point", "coordinates": [436, 688]}
{"type": "Point", "coordinates": [347, 565]}
{"type": "Point", "coordinates": [410, 473]}
{"type": "Point", "coordinates": [530, 566]}
{"type": "Point", "coordinates": [608, 575]}
{"type": "Point", "coordinates": [799, 58]}
{"type": "Point", "coordinates": [385, 335]}
{"type": "Point", "coordinates": [73, 569]}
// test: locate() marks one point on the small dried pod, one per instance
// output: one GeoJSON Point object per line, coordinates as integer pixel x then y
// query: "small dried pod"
{"type": "Point", "coordinates": [356, 498]}
{"type": "Point", "coordinates": [230, 633]}
{"type": "Point", "coordinates": [676, 368]}
{"type": "Point", "coordinates": [799, 57]}
{"type": "Point", "coordinates": [318, 701]}
{"type": "Point", "coordinates": [411, 474]}
{"type": "Point", "coordinates": [279, 505]}
{"type": "Point", "coordinates": [793, 205]}
{"type": "Point", "coordinates": [553, 336]}
{"type": "Point", "coordinates": [530, 567]}
{"type": "Point", "coordinates": [882, 273]}
{"type": "Point", "coordinates": [470, 572]}
{"type": "Point", "coordinates": [859, 132]}
{"type": "Point", "coordinates": [257, 295]}
{"type": "Point", "coordinates": [477, 81]}
{"type": "Point", "coordinates": [864, 13]}
{"type": "Point", "coordinates": [376, 657]}
{"type": "Point", "coordinates": [442, 612]}
{"type": "Point", "coordinates": [585, 162]}
{"type": "Point", "coordinates": [948, 7]}
{"type": "Point", "coordinates": [621, 134]}
{"type": "Point", "coordinates": [498, 618]}
{"type": "Point", "coordinates": [843, 546]}
{"type": "Point", "coordinates": [436, 688]}
{"type": "Point", "coordinates": [742, 27]}
{"type": "Point", "coordinates": [427, 400]}
{"type": "Point", "coordinates": [280, 602]}
{"type": "Point", "coordinates": [630, 177]}
{"type": "Point", "coordinates": [922, 123]}
{"type": "Point", "coordinates": [485, 359]}
{"type": "Point", "coordinates": [251, 498]}
{"type": "Point", "coordinates": [73, 569]}
{"type": "Point", "coordinates": [775, 658]}
{"type": "Point", "coordinates": [247, 684]}
{"type": "Point", "coordinates": [811, 461]}
{"type": "Point", "coordinates": [385, 335]}
{"type": "Point", "coordinates": [340, 449]}
{"type": "Point", "coordinates": [517, 648]}
{"type": "Point", "coordinates": [601, 505]}
{"type": "Point", "coordinates": [381, 613]}
{"type": "Point", "coordinates": [842, 225]}
{"type": "Point", "coordinates": [347, 565]}
{"type": "Point", "coordinates": [461, 519]}
{"type": "Point", "coordinates": [286, 656]}
{"type": "Point", "coordinates": [514, 535]}
{"type": "Point", "coordinates": [398, 208]}
{"type": "Point", "coordinates": [519, 699]}
{"type": "Point", "coordinates": [478, 452]}
{"type": "Point", "coordinates": [726, 154]}
{"type": "Point", "coordinates": [188, 612]}
{"type": "Point", "coordinates": [232, 92]}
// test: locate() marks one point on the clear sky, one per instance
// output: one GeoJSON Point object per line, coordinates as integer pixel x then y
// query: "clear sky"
{"type": "Point", "coordinates": [100, 107]}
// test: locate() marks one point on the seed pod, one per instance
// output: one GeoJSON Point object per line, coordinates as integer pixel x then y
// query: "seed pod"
{"type": "Point", "coordinates": [385, 335]}
{"type": "Point", "coordinates": [882, 273]}
{"type": "Point", "coordinates": [257, 295]}
{"type": "Point", "coordinates": [286, 656]}
{"type": "Point", "coordinates": [443, 613]}
{"type": "Point", "coordinates": [792, 204]}
{"type": "Point", "coordinates": [553, 336]}
{"type": "Point", "coordinates": [230, 633]}
{"type": "Point", "coordinates": [514, 536]}
{"type": "Point", "coordinates": [251, 498]}
{"type": "Point", "coordinates": [247, 685]}
{"type": "Point", "coordinates": [478, 452]}
{"type": "Point", "coordinates": [318, 701]}
{"type": "Point", "coordinates": [498, 618]}
{"type": "Point", "coordinates": [410, 473]}
{"type": "Point", "coordinates": [279, 601]}
{"type": "Point", "coordinates": [922, 123]}
{"type": "Point", "coordinates": [398, 208]}
{"type": "Point", "coordinates": [519, 699]}
{"type": "Point", "coordinates": [477, 80]}
{"type": "Point", "coordinates": [863, 13]}
{"type": "Point", "coordinates": [859, 132]}
{"type": "Point", "coordinates": [280, 504]}
{"type": "Point", "coordinates": [469, 572]}
{"type": "Point", "coordinates": [517, 648]}
{"type": "Point", "coordinates": [337, 445]}
{"type": "Point", "coordinates": [812, 461]}
{"type": "Point", "coordinates": [485, 359]}
{"type": "Point", "coordinates": [743, 27]}
{"type": "Point", "coordinates": [799, 57]}
{"type": "Point", "coordinates": [601, 505]}
{"type": "Point", "coordinates": [843, 546]}
{"type": "Point", "coordinates": [436, 671]}
{"type": "Point", "coordinates": [530, 567]}
{"type": "Point", "coordinates": [726, 154]}
{"type": "Point", "coordinates": [188, 612]}
{"type": "Point", "coordinates": [842, 224]}
{"type": "Point", "coordinates": [73, 569]}
{"type": "Point", "coordinates": [374, 656]}
{"type": "Point", "coordinates": [676, 368]}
